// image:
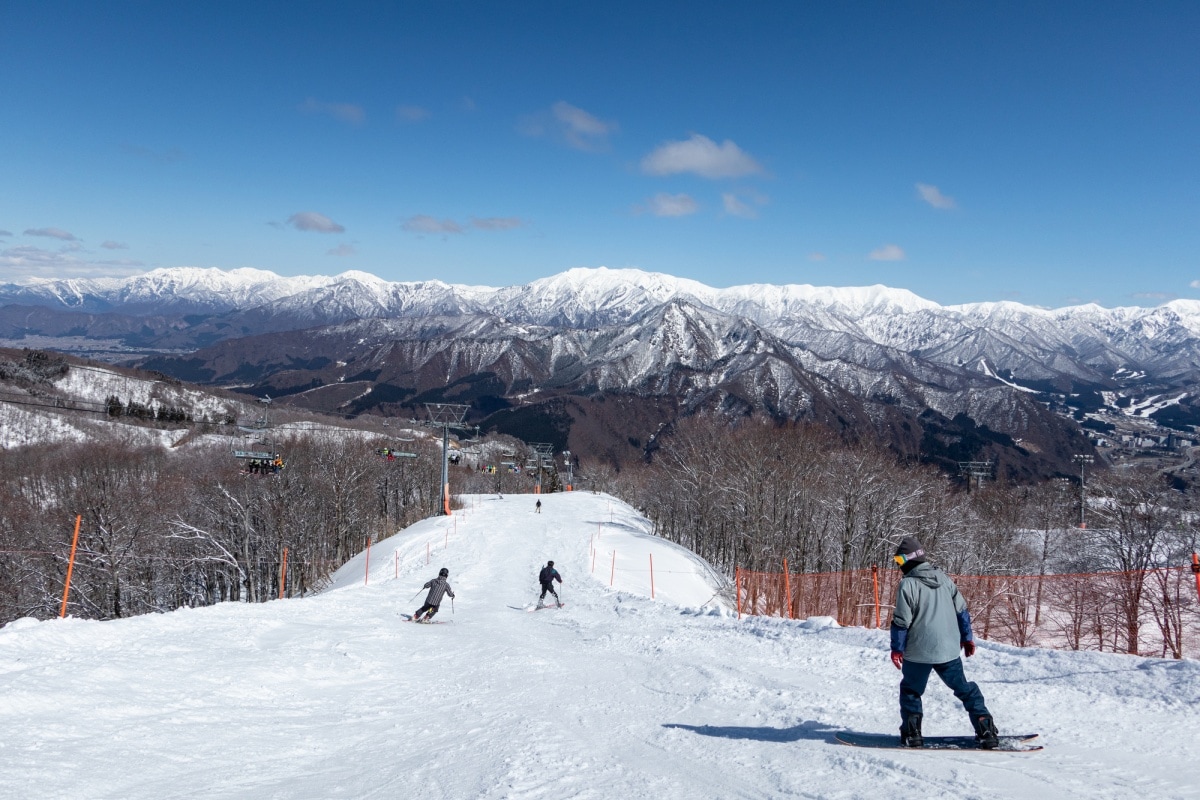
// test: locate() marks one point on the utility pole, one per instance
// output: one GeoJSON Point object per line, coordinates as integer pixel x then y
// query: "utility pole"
{"type": "Point", "coordinates": [1082, 461]}
{"type": "Point", "coordinates": [446, 416]}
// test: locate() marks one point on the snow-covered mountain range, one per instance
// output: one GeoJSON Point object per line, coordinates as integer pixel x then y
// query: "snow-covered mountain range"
{"type": "Point", "coordinates": [851, 356]}
{"type": "Point", "coordinates": [1087, 341]}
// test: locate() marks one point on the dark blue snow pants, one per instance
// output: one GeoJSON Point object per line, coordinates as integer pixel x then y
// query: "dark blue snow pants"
{"type": "Point", "coordinates": [916, 677]}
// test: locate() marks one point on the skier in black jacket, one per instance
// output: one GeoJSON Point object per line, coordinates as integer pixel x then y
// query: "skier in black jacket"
{"type": "Point", "coordinates": [437, 587]}
{"type": "Point", "coordinates": [547, 577]}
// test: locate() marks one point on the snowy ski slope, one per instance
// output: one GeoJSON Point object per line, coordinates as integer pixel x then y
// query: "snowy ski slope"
{"type": "Point", "coordinates": [614, 696]}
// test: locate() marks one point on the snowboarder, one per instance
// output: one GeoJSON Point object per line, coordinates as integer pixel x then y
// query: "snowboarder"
{"type": "Point", "coordinates": [437, 587]}
{"type": "Point", "coordinates": [929, 625]}
{"type": "Point", "coordinates": [547, 577]}
{"type": "Point", "coordinates": [537, 507]}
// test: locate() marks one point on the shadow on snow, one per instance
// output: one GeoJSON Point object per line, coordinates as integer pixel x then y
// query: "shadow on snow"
{"type": "Point", "coordinates": [812, 731]}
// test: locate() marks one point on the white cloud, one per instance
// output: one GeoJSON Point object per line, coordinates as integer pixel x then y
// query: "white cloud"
{"type": "Point", "coordinates": [701, 156]}
{"type": "Point", "coordinates": [497, 223]}
{"type": "Point", "coordinates": [672, 205]}
{"type": "Point", "coordinates": [411, 113]}
{"type": "Point", "coordinates": [423, 223]}
{"type": "Point", "coordinates": [736, 208]}
{"type": "Point", "coordinates": [1195, 284]}
{"type": "Point", "coordinates": [346, 112]}
{"type": "Point", "coordinates": [889, 252]}
{"type": "Point", "coordinates": [312, 221]}
{"type": "Point", "coordinates": [111, 245]}
{"type": "Point", "coordinates": [569, 125]}
{"type": "Point", "coordinates": [342, 250]}
{"type": "Point", "coordinates": [933, 195]}
{"type": "Point", "coordinates": [582, 130]}
{"type": "Point", "coordinates": [53, 233]}
{"type": "Point", "coordinates": [34, 262]}
{"type": "Point", "coordinates": [816, 256]}
{"type": "Point", "coordinates": [742, 203]}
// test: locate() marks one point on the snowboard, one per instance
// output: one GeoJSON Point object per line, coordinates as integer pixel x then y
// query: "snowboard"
{"type": "Point", "coordinates": [887, 741]}
{"type": "Point", "coordinates": [409, 618]}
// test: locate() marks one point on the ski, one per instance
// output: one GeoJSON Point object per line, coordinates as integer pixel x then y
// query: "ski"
{"type": "Point", "coordinates": [1008, 744]}
{"type": "Point", "coordinates": [545, 608]}
{"type": "Point", "coordinates": [409, 618]}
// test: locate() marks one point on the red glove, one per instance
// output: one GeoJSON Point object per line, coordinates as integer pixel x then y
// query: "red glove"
{"type": "Point", "coordinates": [897, 658]}
{"type": "Point", "coordinates": [968, 649]}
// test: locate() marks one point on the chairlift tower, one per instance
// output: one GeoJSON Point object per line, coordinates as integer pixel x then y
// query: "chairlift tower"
{"type": "Point", "coordinates": [544, 453]}
{"type": "Point", "coordinates": [1082, 461]}
{"type": "Point", "coordinates": [977, 470]}
{"type": "Point", "coordinates": [446, 416]}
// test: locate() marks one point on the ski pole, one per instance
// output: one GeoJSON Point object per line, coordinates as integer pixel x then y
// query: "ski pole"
{"type": "Point", "coordinates": [451, 606]}
{"type": "Point", "coordinates": [414, 597]}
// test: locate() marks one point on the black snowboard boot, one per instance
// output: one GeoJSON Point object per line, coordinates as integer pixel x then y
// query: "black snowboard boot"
{"type": "Point", "coordinates": [985, 732]}
{"type": "Point", "coordinates": [910, 731]}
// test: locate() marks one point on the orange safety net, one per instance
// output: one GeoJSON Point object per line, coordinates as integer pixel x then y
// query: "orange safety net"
{"type": "Point", "coordinates": [1148, 612]}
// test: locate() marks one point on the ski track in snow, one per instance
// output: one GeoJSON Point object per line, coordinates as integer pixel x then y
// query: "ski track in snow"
{"type": "Point", "coordinates": [614, 696]}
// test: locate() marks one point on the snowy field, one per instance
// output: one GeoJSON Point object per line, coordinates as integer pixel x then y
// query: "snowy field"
{"type": "Point", "coordinates": [617, 695]}
{"type": "Point", "coordinates": [23, 427]}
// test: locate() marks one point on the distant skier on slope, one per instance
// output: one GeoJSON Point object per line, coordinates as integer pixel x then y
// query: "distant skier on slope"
{"type": "Point", "coordinates": [929, 624]}
{"type": "Point", "coordinates": [546, 578]}
{"type": "Point", "coordinates": [537, 508]}
{"type": "Point", "coordinates": [437, 587]}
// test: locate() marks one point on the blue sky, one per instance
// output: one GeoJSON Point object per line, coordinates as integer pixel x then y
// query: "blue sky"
{"type": "Point", "coordinates": [1047, 153]}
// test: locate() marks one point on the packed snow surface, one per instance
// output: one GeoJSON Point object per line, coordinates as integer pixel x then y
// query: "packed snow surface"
{"type": "Point", "coordinates": [617, 695]}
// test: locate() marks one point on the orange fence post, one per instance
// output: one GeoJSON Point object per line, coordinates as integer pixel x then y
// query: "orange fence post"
{"type": "Point", "coordinates": [787, 591]}
{"type": "Point", "coordinates": [593, 558]}
{"type": "Point", "coordinates": [875, 582]}
{"type": "Point", "coordinates": [427, 552]}
{"type": "Point", "coordinates": [1196, 572]}
{"type": "Point", "coordinates": [613, 573]}
{"type": "Point", "coordinates": [651, 576]}
{"type": "Point", "coordinates": [396, 553]}
{"type": "Point", "coordinates": [70, 567]}
{"type": "Point", "coordinates": [367, 576]}
{"type": "Point", "coordinates": [283, 574]}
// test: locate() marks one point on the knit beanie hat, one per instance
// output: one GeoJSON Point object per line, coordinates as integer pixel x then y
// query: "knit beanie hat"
{"type": "Point", "coordinates": [910, 551]}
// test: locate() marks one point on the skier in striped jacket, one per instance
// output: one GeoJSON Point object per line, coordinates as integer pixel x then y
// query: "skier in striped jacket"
{"type": "Point", "coordinates": [437, 587]}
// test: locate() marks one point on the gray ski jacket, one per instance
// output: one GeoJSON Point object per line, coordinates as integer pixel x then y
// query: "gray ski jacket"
{"type": "Point", "coordinates": [930, 621]}
{"type": "Point", "coordinates": [437, 587]}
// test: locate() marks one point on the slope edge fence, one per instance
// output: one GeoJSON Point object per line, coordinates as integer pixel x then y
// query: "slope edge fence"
{"type": "Point", "coordinates": [1154, 612]}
